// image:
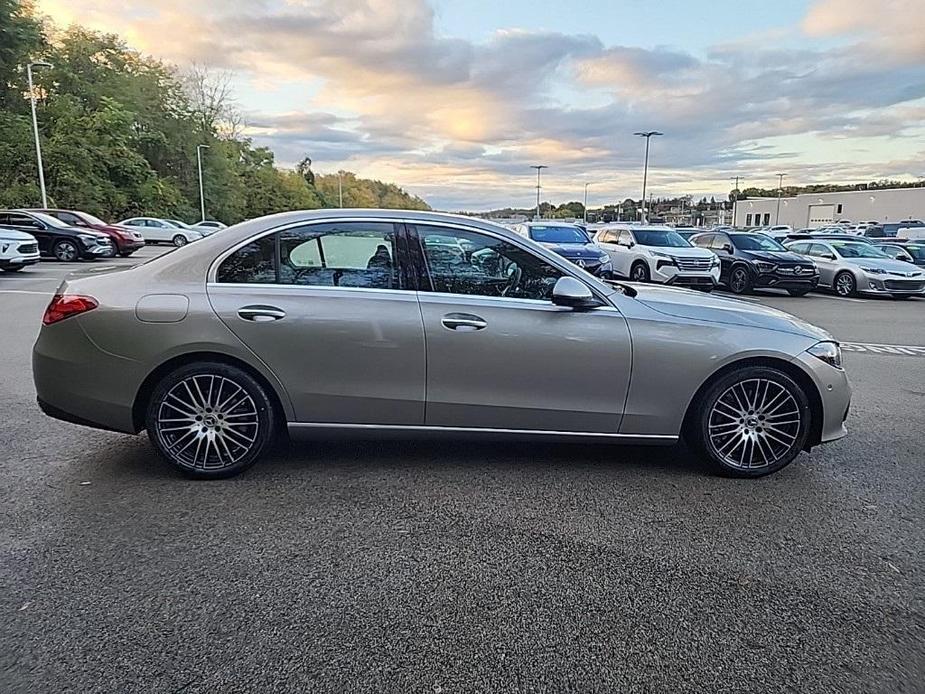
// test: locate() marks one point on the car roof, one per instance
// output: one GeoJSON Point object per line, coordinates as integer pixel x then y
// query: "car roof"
{"type": "Point", "coordinates": [551, 223]}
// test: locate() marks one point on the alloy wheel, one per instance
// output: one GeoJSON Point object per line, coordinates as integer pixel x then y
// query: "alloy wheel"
{"type": "Point", "coordinates": [844, 284]}
{"type": "Point", "coordinates": [738, 283]}
{"type": "Point", "coordinates": [66, 252]}
{"type": "Point", "coordinates": [179, 240]}
{"type": "Point", "coordinates": [754, 424]}
{"type": "Point", "coordinates": [207, 422]}
{"type": "Point", "coordinates": [639, 273]}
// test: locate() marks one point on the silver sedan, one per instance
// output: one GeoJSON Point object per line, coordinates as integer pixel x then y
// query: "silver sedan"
{"type": "Point", "coordinates": [365, 321]}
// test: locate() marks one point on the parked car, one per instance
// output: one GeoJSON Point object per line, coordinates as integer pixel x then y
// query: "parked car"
{"type": "Point", "coordinates": [124, 241]}
{"type": "Point", "coordinates": [858, 267]}
{"type": "Point", "coordinates": [57, 239]}
{"type": "Point", "coordinates": [208, 226]}
{"type": "Point", "coordinates": [778, 231]}
{"type": "Point", "coordinates": [321, 321]}
{"type": "Point", "coordinates": [160, 231]}
{"type": "Point", "coordinates": [17, 249]}
{"type": "Point", "coordinates": [569, 241]}
{"type": "Point", "coordinates": [828, 237]}
{"type": "Point", "coordinates": [901, 249]}
{"type": "Point", "coordinates": [757, 261]}
{"type": "Point", "coordinates": [645, 253]}
{"type": "Point", "coordinates": [902, 228]}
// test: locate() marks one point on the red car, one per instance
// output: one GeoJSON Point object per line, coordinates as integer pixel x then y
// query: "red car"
{"type": "Point", "coordinates": [124, 241]}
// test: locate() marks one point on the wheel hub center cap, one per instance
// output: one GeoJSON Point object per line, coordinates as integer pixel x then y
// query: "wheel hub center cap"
{"type": "Point", "coordinates": [751, 422]}
{"type": "Point", "coordinates": [209, 421]}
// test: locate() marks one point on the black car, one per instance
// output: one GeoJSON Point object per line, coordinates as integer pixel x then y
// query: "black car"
{"type": "Point", "coordinates": [57, 239]}
{"type": "Point", "coordinates": [900, 249]}
{"type": "Point", "coordinates": [572, 243]}
{"type": "Point", "coordinates": [754, 261]}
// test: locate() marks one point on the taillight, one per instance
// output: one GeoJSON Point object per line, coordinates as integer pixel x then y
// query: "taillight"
{"type": "Point", "coordinates": [66, 305]}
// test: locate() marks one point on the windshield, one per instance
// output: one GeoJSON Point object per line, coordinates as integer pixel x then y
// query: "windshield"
{"type": "Point", "coordinates": [664, 238]}
{"type": "Point", "coordinates": [49, 220]}
{"type": "Point", "coordinates": [853, 249]}
{"type": "Point", "coordinates": [90, 219]}
{"type": "Point", "coordinates": [754, 242]}
{"type": "Point", "coordinates": [558, 234]}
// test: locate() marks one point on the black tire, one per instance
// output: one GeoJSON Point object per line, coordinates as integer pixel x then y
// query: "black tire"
{"type": "Point", "coordinates": [115, 251]}
{"type": "Point", "coordinates": [798, 292]}
{"type": "Point", "coordinates": [718, 436]}
{"type": "Point", "coordinates": [740, 280]}
{"type": "Point", "coordinates": [179, 240]}
{"type": "Point", "coordinates": [214, 406]}
{"type": "Point", "coordinates": [844, 284]}
{"type": "Point", "coordinates": [66, 251]}
{"type": "Point", "coordinates": [126, 254]}
{"type": "Point", "coordinates": [13, 268]}
{"type": "Point", "coordinates": [639, 272]}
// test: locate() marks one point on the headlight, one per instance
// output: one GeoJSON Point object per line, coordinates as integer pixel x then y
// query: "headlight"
{"type": "Point", "coordinates": [88, 239]}
{"type": "Point", "coordinates": [874, 270]}
{"type": "Point", "coordinates": [714, 261]}
{"type": "Point", "coordinates": [664, 256]}
{"type": "Point", "coordinates": [765, 267]}
{"type": "Point", "coordinates": [604, 259]}
{"type": "Point", "coordinates": [829, 352]}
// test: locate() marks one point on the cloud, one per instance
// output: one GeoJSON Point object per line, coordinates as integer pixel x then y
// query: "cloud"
{"type": "Point", "coordinates": [455, 119]}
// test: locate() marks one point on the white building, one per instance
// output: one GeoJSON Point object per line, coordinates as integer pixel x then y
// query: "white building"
{"type": "Point", "coordinates": [818, 209]}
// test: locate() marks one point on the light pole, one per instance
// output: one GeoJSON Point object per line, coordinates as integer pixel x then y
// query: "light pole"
{"type": "Point", "coordinates": [586, 201]}
{"type": "Point", "coordinates": [780, 190]}
{"type": "Point", "coordinates": [538, 167]}
{"type": "Point", "coordinates": [735, 199]}
{"type": "Point", "coordinates": [340, 188]}
{"type": "Point", "coordinates": [202, 197]}
{"type": "Point", "coordinates": [35, 127]}
{"type": "Point", "coordinates": [645, 170]}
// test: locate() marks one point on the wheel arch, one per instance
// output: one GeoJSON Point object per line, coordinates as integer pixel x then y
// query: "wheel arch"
{"type": "Point", "coordinates": [143, 396]}
{"type": "Point", "coordinates": [788, 367]}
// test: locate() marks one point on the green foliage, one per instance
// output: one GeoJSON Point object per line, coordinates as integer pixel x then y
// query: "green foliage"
{"type": "Point", "coordinates": [119, 134]}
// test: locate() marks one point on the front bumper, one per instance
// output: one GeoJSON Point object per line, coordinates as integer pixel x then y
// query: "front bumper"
{"type": "Point", "coordinates": [834, 392]}
{"type": "Point", "coordinates": [595, 268]}
{"type": "Point", "coordinates": [97, 251]}
{"type": "Point", "coordinates": [879, 284]}
{"type": "Point", "coordinates": [774, 280]}
{"type": "Point", "coordinates": [19, 260]}
{"type": "Point", "coordinates": [666, 273]}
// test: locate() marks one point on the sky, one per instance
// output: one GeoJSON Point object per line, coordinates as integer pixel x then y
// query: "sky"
{"type": "Point", "coordinates": [454, 100]}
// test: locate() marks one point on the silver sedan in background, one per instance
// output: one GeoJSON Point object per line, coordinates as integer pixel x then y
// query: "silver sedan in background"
{"type": "Point", "coordinates": [364, 321]}
{"type": "Point", "coordinates": [859, 267]}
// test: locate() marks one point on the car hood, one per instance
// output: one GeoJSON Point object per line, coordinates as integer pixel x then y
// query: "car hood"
{"type": "Point", "coordinates": [684, 303]}
{"type": "Point", "coordinates": [895, 266]}
{"type": "Point", "coordinates": [14, 235]}
{"type": "Point", "coordinates": [787, 257]}
{"type": "Point", "coordinates": [575, 250]}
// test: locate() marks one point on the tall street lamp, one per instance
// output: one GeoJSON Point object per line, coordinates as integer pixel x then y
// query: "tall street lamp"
{"type": "Point", "coordinates": [340, 188]}
{"type": "Point", "coordinates": [735, 199]}
{"type": "Point", "coordinates": [35, 127]}
{"type": "Point", "coordinates": [538, 167]}
{"type": "Point", "coordinates": [202, 197]}
{"type": "Point", "coordinates": [780, 190]}
{"type": "Point", "coordinates": [586, 201]}
{"type": "Point", "coordinates": [645, 170]}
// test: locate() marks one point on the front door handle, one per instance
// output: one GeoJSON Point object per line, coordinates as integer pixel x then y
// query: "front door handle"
{"type": "Point", "coordinates": [463, 322]}
{"type": "Point", "coordinates": [261, 314]}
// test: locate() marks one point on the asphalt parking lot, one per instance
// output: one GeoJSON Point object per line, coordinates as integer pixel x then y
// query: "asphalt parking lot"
{"type": "Point", "coordinates": [440, 567]}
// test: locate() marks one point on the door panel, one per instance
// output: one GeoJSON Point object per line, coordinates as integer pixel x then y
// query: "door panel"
{"type": "Point", "coordinates": [534, 365]}
{"type": "Point", "coordinates": [344, 355]}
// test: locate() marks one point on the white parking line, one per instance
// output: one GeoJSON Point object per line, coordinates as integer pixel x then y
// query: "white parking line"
{"type": "Point", "coordinates": [889, 350]}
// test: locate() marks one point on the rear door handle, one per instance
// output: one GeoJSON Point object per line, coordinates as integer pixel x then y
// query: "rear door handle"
{"type": "Point", "coordinates": [463, 322]}
{"type": "Point", "coordinates": [261, 314]}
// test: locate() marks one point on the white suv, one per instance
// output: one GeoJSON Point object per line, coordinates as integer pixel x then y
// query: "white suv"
{"type": "Point", "coordinates": [658, 254]}
{"type": "Point", "coordinates": [17, 249]}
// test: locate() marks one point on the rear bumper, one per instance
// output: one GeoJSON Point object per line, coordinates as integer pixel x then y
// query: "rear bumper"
{"type": "Point", "coordinates": [130, 245]}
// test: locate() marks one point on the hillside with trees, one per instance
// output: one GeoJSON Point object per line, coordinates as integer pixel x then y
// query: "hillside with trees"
{"type": "Point", "coordinates": [119, 134]}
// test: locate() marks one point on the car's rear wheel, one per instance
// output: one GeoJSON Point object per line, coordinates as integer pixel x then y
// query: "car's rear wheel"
{"type": "Point", "coordinates": [639, 272]}
{"type": "Point", "coordinates": [179, 240]}
{"type": "Point", "coordinates": [210, 420]}
{"type": "Point", "coordinates": [739, 280]}
{"type": "Point", "coordinates": [66, 251]}
{"type": "Point", "coordinates": [844, 284]}
{"type": "Point", "coordinates": [751, 422]}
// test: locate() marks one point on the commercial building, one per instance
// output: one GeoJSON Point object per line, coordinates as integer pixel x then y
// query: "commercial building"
{"type": "Point", "coordinates": [819, 209]}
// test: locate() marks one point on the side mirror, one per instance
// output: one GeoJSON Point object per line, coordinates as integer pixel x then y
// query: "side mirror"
{"type": "Point", "coordinates": [572, 293]}
{"type": "Point", "coordinates": [827, 256]}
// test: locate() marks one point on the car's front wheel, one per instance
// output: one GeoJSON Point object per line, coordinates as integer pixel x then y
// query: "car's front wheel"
{"type": "Point", "coordinates": [751, 422]}
{"type": "Point", "coordinates": [639, 272]}
{"type": "Point", "coordinates": [66, 251]}
{"type": "Point", "coordinates": [845, 284]}
{"type": "Point", "coordinates": [739, 280]}
{"type": "Point", "coordinates": [210, 420]}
